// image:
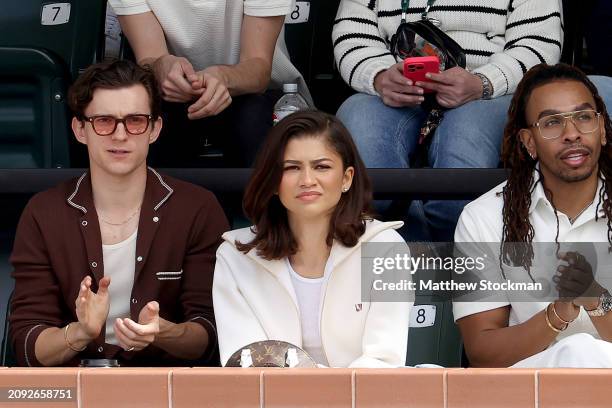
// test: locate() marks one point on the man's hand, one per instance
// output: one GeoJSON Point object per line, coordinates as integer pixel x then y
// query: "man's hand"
{"type": "Point", "coordinates": [395, 89]}
{"type": "Point", "coordinates": [92, 308]}
{"type": "Point", "coordinates": [576, 283]}
{"type": "Point", "coordinates": [172, 73]}
{"type": "Point", "coordinates": [134, 336]}
{"type": "Point", "coordinates": [454, 87]}
{"type": "Point", "coordinates": [215, 96]}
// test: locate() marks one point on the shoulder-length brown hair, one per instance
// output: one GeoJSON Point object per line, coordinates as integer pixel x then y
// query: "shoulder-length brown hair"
{"type": "Point", "coordinates": [261, 204]}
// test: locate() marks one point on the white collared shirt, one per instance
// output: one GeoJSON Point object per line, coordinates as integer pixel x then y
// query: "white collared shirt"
{"type": "Point", "coordinates": [481, 221]}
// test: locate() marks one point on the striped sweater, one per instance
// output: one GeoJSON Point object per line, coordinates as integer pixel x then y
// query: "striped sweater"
{"type": "Point", "coordinates": [502, 39]}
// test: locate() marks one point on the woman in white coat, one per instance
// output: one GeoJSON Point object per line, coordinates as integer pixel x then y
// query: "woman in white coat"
{"type": "Point", "coordinates": [295, 275]}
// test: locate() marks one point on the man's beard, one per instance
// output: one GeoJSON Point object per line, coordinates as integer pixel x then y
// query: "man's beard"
{"type": "Point", "coordinates": [574, 178]}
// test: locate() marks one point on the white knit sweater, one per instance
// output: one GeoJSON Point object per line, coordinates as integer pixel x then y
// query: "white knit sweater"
{"type": "Point", "coordinates": [502, 39]}
{"type": "Point", "coordinates": [207, 32]}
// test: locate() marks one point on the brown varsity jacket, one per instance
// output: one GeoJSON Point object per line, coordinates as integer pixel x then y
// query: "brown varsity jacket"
{"type": "Point", "coordinates": [58, 243]}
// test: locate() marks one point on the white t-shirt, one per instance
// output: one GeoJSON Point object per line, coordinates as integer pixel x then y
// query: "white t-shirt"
{"type": "Point", "coordinates": [208, 32]}
{"type": "Point", "coordinates": [120, 266]}
{"type": "Point", "coordinates": [309, 293]}
{"type": "Point", "coordinates": [481, 221]}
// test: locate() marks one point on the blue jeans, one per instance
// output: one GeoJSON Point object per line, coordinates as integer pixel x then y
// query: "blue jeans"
{"type": "Point", "coordinates": [468, 137]}
{"type": "Point", "coordinates": [604, 88]}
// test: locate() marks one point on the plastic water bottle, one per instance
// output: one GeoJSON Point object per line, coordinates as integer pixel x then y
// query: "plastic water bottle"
{"type": "Point", "coordinates": [290, 102]}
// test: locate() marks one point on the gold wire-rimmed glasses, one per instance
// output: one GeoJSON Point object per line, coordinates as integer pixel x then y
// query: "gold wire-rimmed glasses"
{"type": "Point", "coordinates": [552, 126]}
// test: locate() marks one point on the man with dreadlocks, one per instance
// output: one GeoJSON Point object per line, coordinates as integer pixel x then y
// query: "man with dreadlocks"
{"type": "Point", "coordinates": [558, 148]}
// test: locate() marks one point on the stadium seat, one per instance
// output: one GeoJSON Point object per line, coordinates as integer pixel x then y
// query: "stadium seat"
{"type": "Point", "coordinates": [43, 47]}
{"type": "Point", "coordinates": [311, 50]}
{"type": "Point", "coordinates": [438, 344]}
{"type": "Point", "coordinates": [7, 358]}
{"type": "Point", "coordinates": [433, 337]}
{"type": "Point", "coordinates": [573, 16]}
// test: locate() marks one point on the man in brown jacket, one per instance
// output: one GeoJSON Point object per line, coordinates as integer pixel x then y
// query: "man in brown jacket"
{"type": "Point", "coordinates": [119, 262]}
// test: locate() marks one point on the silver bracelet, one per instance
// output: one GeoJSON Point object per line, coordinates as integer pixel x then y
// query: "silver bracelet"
{"type": "Point", "coordinates": [487, 87]}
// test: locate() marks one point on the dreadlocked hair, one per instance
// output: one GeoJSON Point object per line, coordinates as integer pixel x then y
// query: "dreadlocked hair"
{"type": "Point", "coordinates": [518, 233]}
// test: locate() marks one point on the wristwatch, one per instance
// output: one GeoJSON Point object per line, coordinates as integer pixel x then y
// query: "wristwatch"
{"type": "Point", "coordinates": [487, 87]}
{"type": "Point", "coordinates": [605, 305]}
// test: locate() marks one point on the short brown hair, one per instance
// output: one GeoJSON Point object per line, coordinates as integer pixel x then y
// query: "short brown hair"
{"type": "Point", "coordinates": [112, 75]}
{"type": "Point", "coordinates": [274, 239]}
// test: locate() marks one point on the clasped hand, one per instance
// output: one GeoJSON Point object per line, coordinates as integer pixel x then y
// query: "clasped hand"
{"type": "Point", "coordinates": [576, 282]}
{"type": "Point", "coordinates": [207, 89]}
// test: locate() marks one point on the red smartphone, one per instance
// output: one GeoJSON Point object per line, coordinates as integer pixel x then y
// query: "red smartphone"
{"type": "Point", "coordinates": [415, 68]}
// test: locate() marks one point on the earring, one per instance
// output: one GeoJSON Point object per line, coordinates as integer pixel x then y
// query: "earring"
{"type": "Point", "coordinates": [345, 189]}
{"type": "Point", "coordinates": [528, 152]}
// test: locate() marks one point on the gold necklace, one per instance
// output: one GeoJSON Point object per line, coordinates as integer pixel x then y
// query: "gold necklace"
{"type": "Point", "coordinates": [123, 222]}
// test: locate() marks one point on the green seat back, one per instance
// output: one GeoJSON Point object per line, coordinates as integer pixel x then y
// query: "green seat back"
{"type": "Point", "coordinates": [7, 357]}
{"type": "Point", "coordinates": [311, 50]}
{"type": "Point", "coordinates": [75, 43]}
{"type": "Point", "coordinates": [433, 337]}
{"type": "Point", "coordinates": [43, 47]}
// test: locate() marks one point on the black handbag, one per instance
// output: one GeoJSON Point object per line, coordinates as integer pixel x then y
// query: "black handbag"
{"type": "Point", "coordinates": [419, 39]}
{"type": "Point", "coordinates": [433, 42]}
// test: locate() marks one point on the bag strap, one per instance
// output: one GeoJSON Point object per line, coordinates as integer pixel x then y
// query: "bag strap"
{"type": "Point", "coordinates": [406, 3]}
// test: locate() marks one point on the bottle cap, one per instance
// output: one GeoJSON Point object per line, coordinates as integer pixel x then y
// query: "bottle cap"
{"type": "Point", "coordinates": [290, 88]}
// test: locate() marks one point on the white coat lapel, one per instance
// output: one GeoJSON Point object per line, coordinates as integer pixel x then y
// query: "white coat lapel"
{"type": "Point", "coordinates": [278, 268]}
{"type": "Point", "coordinates": [339, 252]}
